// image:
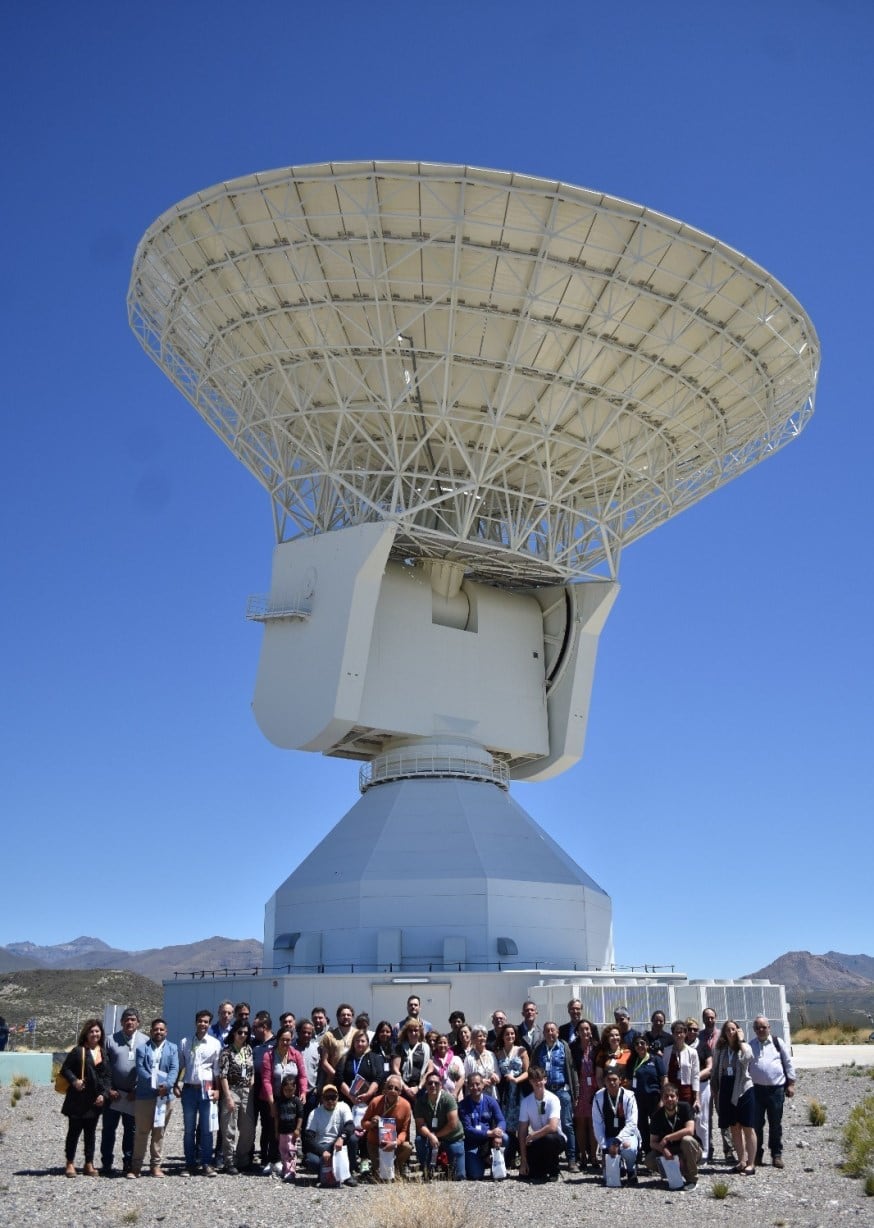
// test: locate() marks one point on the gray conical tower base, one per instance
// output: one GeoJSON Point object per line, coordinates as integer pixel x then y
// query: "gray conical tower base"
{"type": "Point", "coordinates": [433, 874]}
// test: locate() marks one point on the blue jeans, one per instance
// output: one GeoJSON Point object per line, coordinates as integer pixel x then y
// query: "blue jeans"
{"type": "Point", "coordinates": [769, 1103]}
{"type": "Point", "coordinates": [195, 1111]}
{"type": "Point", "coordinates": [475, 1156]}
{"type": "Point", "coordinates": [455, 1151]}
{"type": "Point", "coordinates": [567, 1120]}
{"type": "Point", "coordinates": [111, 1119]}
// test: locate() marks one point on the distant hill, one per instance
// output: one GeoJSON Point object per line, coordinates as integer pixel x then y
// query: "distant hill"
{"type": "Point", "coordinates": [10, 962]}
{"type": "Point", "coordinates": [862, 965]}
{"type": "Point", "coordinates": [800, 970]}
{"type": "Point", "coordinates": [62, 953]}
{"type": "Point", "coordinates": [156, 963]}
{"type": "Point", "coordinates": [60, 1000]}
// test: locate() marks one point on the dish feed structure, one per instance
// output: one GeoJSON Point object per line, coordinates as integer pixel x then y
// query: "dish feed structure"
{"type": "Point", "coordinates": [464, 391]}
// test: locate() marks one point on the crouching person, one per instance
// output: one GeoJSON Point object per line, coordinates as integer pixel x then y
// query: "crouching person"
{"type": "Point", "coordinates": [614, 1118]}
{"type": "Point", "coordinates": [329, 1129]}
{"type": "Point", "coordinates": [385, 1138]}
{"type": "Point", "coordinates": [437, 1125]}
{"type": "Point", "coordinates": [541, 1141]}
{"type": "Point", "coordinates": [673, 1137]}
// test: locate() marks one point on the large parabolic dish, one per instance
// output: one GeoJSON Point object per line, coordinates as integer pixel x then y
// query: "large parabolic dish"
{"type": "Point", "coordinates": [521, 375]}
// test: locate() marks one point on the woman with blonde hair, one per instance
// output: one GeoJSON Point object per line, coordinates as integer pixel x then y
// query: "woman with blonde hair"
{"type": "Point", "coordinates": [412, 1059]}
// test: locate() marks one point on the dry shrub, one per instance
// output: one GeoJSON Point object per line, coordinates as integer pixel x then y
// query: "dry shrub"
{"type": "Point", "coordinates": [405, 1204]}
{"type": "Point", "coordinates": [816, 1113]}
{"type": "Point", "coordinates": [720, 1189]}
{"type": "Point", "coordinates": [859, 1139]}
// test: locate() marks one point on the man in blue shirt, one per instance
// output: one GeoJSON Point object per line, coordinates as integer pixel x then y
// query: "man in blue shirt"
{"type": "Point", "coordinates": [554, 1055]}
{"type": "Point", "coordinates": [484, 1127]}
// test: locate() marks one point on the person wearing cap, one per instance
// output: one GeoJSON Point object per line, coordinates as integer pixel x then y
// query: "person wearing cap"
{"type": "Point", "coordinates": [330, 1128]}
{"type": "Point", "coordinates": [121, 1053]}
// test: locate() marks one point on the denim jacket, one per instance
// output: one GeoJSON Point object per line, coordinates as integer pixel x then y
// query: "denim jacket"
{"type": "Point", "coordinates": [168, 1069]}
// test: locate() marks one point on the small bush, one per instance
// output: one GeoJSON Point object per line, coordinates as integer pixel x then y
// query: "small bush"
{"type": "Point", "coordinates": [816, 1113]}
{"type": "Point", "coordinates": [130, 1217]}
{"type": "Point", "coordinates": [720, 1190]}
{"type": "Point", "coordinates": [402, 1205]}
{"type": "Point", "coordinates": [859, 1139]}
{"type": "Point", "coordinates": [869, 1185]}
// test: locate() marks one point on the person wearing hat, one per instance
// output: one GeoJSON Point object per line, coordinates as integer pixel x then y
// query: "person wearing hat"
{"type": "Point", "coordinates": [330, 1128]}
{"type": "Point", "coordinates": [121, 1054]}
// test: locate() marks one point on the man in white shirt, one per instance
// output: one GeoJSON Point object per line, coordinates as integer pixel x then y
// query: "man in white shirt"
{"type": "Point", "coordinates": [614, 1119]}
{"type": "Point", "coordinates": [773, 1076]}
{"type": "Point", "coordinates": [198, 1088]}
{"type": "Point", "coordinates": [541, 1141]}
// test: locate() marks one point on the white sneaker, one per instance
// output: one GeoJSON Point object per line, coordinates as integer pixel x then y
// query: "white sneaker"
{"type": "Point", "coordinates": [277, 1170]}
{"type": "Point", "coordinates": [267, 1170]}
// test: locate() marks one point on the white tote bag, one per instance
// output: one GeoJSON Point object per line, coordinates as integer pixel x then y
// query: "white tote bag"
{"type": "Point", "coordinates": [671, 1170]}
{"type": "Point", "coordinates": [499, 1164]}
{"type": "Point", "coordinates": [342, 1172]}
{"type": "Point", "coordinates": [612, 1170]}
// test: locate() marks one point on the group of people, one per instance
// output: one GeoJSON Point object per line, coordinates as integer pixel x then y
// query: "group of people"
{"type": "Point", "coordinates": [352, 1100]}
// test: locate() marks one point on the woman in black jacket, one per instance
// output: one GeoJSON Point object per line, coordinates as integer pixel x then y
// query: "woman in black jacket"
{"type": "Point", "coordinates": [87, 1071]}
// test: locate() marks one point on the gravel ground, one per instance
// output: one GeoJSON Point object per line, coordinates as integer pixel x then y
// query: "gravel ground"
{"type": "Point", "coordinates": [810, 1190]}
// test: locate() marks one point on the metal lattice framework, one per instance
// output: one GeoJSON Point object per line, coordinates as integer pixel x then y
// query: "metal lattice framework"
{"type": "Point", "coordinates": [521, 374]}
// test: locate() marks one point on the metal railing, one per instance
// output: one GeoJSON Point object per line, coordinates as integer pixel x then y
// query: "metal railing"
{"type": "Point", "coordinates": [264, 607]}
{"type": "Point", "coordinates": [435, 765]}
{"type": "Point", "coordinates": [435, 965]}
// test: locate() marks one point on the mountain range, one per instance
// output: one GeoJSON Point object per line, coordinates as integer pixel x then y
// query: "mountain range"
{"type": "Point", "coordinates": [156, 963]}
{"type": "Point", "coordinates": [800, 970]}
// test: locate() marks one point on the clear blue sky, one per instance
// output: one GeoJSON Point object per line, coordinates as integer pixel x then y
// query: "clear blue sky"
{"type": "Point", "coordinates": [725, 798]}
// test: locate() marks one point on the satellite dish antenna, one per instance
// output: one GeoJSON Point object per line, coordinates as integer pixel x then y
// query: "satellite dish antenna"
{"type": "Point", "coordinates": [464, 391]}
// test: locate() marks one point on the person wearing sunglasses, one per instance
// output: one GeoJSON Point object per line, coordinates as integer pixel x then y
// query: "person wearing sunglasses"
{"type": "Point", "coordinates": [438, 1126]}
{"type": "Point", "coordinates": [236, 1078]}
{"type": "Point", "coordinates": [329, 1129]}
